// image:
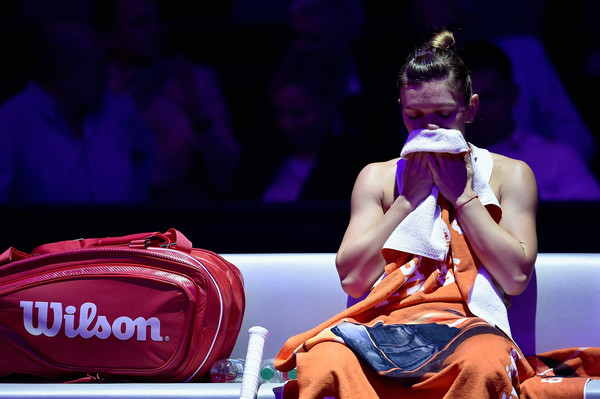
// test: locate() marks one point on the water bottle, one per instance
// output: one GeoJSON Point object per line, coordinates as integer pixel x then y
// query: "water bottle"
{"type": "Point", "coordinates": [292, 374]}
{"type": "Point", "coordinates": [268, 373]}
{"type": "Point", "coordinates": [227, 370]}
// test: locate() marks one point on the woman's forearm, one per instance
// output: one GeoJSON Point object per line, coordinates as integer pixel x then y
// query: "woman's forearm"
{"type": "Point", "coordinates": [359, 260]}
{"type": "Point", "coordinates": [509, 260]}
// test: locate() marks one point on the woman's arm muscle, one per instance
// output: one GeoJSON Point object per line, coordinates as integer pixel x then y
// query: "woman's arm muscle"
{"type": "Point", "coordinates": [359, 261]}
{"type": "Point", "coordinates": [508, 249]}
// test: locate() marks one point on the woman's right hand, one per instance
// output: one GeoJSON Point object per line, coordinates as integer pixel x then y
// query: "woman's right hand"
{"type": "Point", "coordinates": [417, 180]}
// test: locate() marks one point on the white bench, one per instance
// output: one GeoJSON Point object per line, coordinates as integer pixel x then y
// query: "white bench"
{"type": "Point", "coordinates": [291, 293]}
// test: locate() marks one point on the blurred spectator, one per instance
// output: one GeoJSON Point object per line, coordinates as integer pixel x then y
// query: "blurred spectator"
{"type": "Point", "coordinates": [310, 148]}
{"type": "Point", "coordinates": [62, 139]}
{"type": "Point", "coordinates": [544, 104]}
{"type": "Point", "coordinates": [560, 172]}
{"type": "Point", "coordinates": [581, 69]}
{"type": "Point", "coordinates": [334, 30]}
{"type": "Point", "coordinates": [181, 101]}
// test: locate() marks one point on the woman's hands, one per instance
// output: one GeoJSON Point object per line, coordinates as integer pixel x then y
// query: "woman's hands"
{"type": "Point", "coordinates": [508, 249]}
{"type": "Point", "coordinates": [452, 175]}
{"type": "Point", "coordinates": [417, 179]}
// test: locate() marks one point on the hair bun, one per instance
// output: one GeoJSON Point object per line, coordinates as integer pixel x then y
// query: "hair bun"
{"type": "Point", "coordinates": [443, 40]}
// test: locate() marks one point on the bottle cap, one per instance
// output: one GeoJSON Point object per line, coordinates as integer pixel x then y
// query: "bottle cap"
{"type": "Point", "coordinates": [267, 373]}
{"type": "Point", "coordinates": [293, 374]}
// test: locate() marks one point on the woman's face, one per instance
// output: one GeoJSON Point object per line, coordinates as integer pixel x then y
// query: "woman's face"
{"type": "Point", "coordinates": [435, 104]}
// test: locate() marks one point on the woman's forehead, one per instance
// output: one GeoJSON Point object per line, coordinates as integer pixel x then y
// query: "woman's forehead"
{"type": "Point", "coordinates": [432, 93]}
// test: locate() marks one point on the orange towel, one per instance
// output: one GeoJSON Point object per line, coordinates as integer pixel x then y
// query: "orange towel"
{"type": "Point", "coordinates": [561, 373]}
{"type": "Point", "coordinates": [412, 334]}
{"type": "Point", "coordinates": [332, 369]}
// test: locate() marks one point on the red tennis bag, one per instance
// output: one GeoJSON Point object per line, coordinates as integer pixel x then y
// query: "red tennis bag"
{"type": "Point", "coordinates": [142, 307]}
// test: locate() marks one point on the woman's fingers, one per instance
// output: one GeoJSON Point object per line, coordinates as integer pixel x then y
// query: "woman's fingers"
{"type": "Point", "coordinates": [450, 174]}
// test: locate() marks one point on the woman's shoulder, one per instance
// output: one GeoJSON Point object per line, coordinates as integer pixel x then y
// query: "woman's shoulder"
{"type": "Point", "coordinates": [379, 172]}
{"type": "Point", "coordinates": [511, 175]}
{"type": "Point", "coordinates": [380, 166]}
{"type": "Point", "coordinates": [377, 180]}
{"type": "Point", "coordinates": [507, 165]}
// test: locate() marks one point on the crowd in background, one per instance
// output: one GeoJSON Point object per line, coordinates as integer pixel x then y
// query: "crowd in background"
{"type": "Point", "coordinates": [135, 101]}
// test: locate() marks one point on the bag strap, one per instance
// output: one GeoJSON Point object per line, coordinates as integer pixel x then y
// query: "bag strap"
{"type": "Point", "coordinates": [11, 255]}
{"type": "Point", "coordinates": [172, 238]}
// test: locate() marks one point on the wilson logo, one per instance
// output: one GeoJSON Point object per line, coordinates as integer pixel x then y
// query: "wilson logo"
{"type": "Point", "coordinates": [89, 324]}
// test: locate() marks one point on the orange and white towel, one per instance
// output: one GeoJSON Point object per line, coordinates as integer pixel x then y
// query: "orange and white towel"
{"type": "Point", "coordinates": [422, 232]}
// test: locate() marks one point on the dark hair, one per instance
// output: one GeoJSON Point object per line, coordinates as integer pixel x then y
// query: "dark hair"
{"type": "Point", "coordinates": [435, 60]}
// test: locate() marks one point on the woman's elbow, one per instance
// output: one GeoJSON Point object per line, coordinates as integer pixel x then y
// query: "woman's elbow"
{"type": "Point", "coordinates": [353, 287]}
{"type": "Point", "coordinates": [517, 285]}
{"type": "Point", "coordinates": [350, 284]}
{"type": "Point", "coordinates": [358, 274]}
{"type": "Point", "coordinates": [519, 281]}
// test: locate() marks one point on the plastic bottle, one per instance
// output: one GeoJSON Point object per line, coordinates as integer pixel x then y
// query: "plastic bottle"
{"type": "Point", "coordinates": [292, 374]}
{"type": "Point", "coordinates": [227, 370]}
{"type": "Point", "coordinates": [268, 373]}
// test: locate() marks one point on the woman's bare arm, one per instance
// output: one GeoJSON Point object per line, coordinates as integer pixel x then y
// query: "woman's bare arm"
{"type": "Point", "coordinates": [359, 261]}
{"type": "Point", "coordinates": [508, 249]}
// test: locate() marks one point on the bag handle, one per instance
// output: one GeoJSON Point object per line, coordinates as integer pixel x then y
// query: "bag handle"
{"type": "Point", "coordinates": [172, 238]}
{"type": "Point", "coordinates": [11, 255]}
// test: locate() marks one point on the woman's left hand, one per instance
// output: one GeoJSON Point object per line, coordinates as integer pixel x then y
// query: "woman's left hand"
{"type": "Point", "coordinates": [452, 175]}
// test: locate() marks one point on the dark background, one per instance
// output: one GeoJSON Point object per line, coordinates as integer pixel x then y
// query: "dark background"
{"type": "Point", "coordinates": [243, 41]}
{"type": "Point", "coordinates": [255, 228]}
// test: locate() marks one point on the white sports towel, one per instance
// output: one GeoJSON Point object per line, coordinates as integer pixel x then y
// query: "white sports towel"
{"type": "Point", "coordinates": [423, 232]}
{"type": "Point", "coordinates": [440, 140]}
